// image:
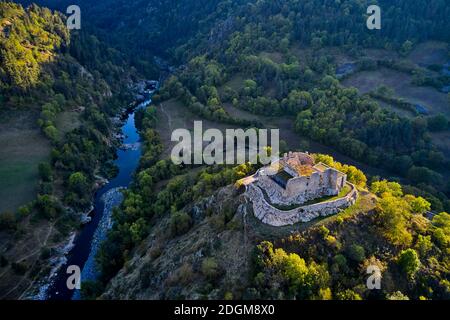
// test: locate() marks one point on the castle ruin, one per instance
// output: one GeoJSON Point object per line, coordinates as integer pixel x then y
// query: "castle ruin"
{"type": "Point", "coordinates": [293, 181]}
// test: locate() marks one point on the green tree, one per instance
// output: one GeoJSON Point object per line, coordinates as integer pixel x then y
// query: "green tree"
{"type": "Point", "coordinates": [45, 171]}
{"type": "Point", "coordinates": [393, 216]}
{"type": "Point", "coordinates": [418, 204]}
{"type": "Point", "coordinates": [78, 183]}
{"type": "Point", "coordinates": [386, 187]}
{"type": "Point", "coordinates": [356, 253]}
{"type": "Point", "coordinates": [409, 262]}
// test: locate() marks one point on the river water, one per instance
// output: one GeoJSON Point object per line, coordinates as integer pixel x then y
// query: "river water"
{"type": "Point", "coordinates": [106, 198]}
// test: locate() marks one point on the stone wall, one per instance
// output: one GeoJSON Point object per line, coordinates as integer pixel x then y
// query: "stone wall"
{"type": "Point", "coordinates": [276, 217]}
{"type": "Point", "coordinates": [301, 189]}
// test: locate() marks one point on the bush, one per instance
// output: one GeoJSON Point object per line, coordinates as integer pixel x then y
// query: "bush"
{"type": "Point", "coordinates": [180, 222]}
{"type": "Point", "coordinates": [409, 262]}
{"type": "Point", "coordinates": [24, 211]}
{"type": "Point", "coordinates": [210, 268]}
{"type": "Point", "coordinates": [45, 171]}
{"type": "Point", "coordinates": [78, 183]}
{"type": "Point", "coordinates": [348, 295]}
{"type": "Point", "coordinates": [356, 253]}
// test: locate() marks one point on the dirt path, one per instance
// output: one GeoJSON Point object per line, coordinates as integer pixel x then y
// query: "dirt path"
{"type": "Point", "coordinates": [169, 118]}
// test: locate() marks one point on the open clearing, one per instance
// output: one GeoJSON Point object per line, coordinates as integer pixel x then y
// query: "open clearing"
{"type": "Point", "coordinates": [174, 115]}
{"type": "Point", "coordinates": [442, 141]}
{"type": "Point", "coordinates": [276, 57]}
{"type": "Point", "coordinates": [22, 148]}
{"type": "Point", "coordinates": [67, 121]}
{"type": "Point", "coordinates": [428, 53]}
{"type": "Point", "coordinates": [366, 81]}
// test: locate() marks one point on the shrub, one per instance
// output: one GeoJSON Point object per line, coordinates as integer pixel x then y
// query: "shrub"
{"type": "Point", "coordinates": [397, 296]}
{"type": "Point", "coordinates": [409, 262]}
{"type": "Point", "coordinates": [356, 253]}
{"type": "Point", "coordinates": [210, 268]}
{"type": "Point", "coordinates": [348, 295]}
{"type": "Point", "coordinates": [45, 171]}
{"type": "Point", "coordinates": [180, 222]}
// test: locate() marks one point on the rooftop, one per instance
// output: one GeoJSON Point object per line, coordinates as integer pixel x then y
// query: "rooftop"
{"type": "Point", "coordinates": [301, 163]}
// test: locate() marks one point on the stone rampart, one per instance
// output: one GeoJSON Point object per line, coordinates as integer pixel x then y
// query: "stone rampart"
{"type": "Point", "coordinates": [268, 214]}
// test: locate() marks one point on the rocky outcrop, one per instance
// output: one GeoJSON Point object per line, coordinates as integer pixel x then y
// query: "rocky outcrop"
{"type": "Point", "coordinates": [170, 267]}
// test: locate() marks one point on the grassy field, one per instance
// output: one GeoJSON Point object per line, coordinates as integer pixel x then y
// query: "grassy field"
{"type": "Point", "coordinates": [174, 115]}
{"type": "Point", "coordinates": [428, 53]}
{"type": "Point", "coordinates": [442, 141]}
{"type": "Point", "coordinates": [22, 148]}
{"type": "Point", "coordinates": [366, 81]}
{"type": "Point", "coordinates": [423, 55]}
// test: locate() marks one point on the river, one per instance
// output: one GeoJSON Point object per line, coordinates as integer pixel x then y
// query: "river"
{"type": "Point", "coordinates": [106, 198]}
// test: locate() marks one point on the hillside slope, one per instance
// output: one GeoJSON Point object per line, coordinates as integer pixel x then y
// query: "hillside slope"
{"type": "Point", "coordinates": [56, 100]}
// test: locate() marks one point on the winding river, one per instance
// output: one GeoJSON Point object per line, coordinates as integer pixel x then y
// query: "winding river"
{"type": "Point", "coordinates": [106, 198]}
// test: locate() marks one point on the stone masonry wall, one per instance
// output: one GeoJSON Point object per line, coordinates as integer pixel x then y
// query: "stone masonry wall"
{"type": "Point", "coordinates": [276, 217]}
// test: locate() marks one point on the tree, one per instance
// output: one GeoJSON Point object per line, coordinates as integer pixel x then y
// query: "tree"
{"type": "Point", "coordinates": [425, 175]}
{"type": "Point", "coordinates": [409, 262]}
{"type": "Point", "coordinates": [138, 230]}
{"type": "Point", "coordinates": [297, 101]}
{"type": "Point", "coordinates": [441, 229]}
{"type": "Point", "coordinates": [51, 132]}
{"type": "Point", "coordinates": [356, 253]}
{"type": "Point", "coordinates": [406, 48]}
{"type": "Point", "coordinates": [385, 187]}
{"type": "Point", "coordinates": [393, 216]}
{"type": "Point", "coordinates": [423, 245]}
{"type": "Point", "coordinates": [78, 183]}
{"type": "Point", "coordinates": [45, 171]}
{"type": "Point", "coordinates": [290, 271]}
{"type": "Point", "coordinates": [437, 123]}
{"type": "Point", "coordinates": [418, 205]}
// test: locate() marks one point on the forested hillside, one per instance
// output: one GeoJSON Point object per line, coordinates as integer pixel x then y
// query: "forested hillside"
{"type": "Point", "coordinates": [267, 47]}
{"type": "Point", "coordinates": [273, 58]}
{"type": "Point", "coordinates": [28, 40]}
{"type": "Point", "coordinates": [247, 63]}
{"type": "Point", "coordinates": [58, 91]}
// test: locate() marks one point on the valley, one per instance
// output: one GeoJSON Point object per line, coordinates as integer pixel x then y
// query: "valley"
{"type": "Point", "coordinates": [86, 177]}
